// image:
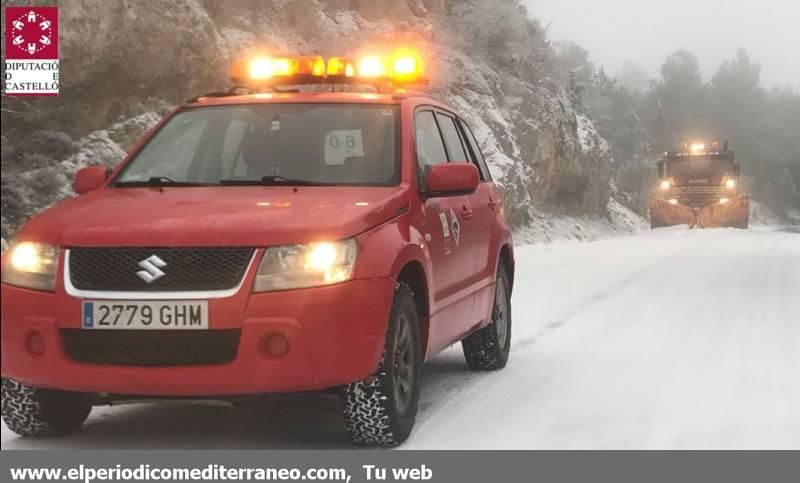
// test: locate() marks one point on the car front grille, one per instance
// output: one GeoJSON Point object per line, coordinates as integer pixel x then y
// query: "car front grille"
{"type": "Point", "coordinates": [177, 269]}
{"type": "Point", "coordinates": [716, 190]}
{"type": "Point", "coordinates": [697, 195]}
{"type": "Point", "coordinates": [159, 348]}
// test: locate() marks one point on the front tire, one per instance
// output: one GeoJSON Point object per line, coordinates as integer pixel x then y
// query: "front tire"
{"type": "Point", "coordinates": [381, 410]}
{"type": "Point", "coordinates": [37, 413]}
{"type": "Point", "coordinates": [488, 349]}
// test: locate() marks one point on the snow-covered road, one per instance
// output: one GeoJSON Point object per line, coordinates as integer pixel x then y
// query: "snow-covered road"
{"type": "Point", "coordinates": [671, 339]}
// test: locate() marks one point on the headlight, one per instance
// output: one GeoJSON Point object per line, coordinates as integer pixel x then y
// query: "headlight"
{"type": "Point", "coordinates": [665, 185]}
{"type": "Point", "coordinates": [730, 184]}
{"type": "Point", "coordinates": [31, 265]}
{"type": "Point", "coordinates": [301, 266]}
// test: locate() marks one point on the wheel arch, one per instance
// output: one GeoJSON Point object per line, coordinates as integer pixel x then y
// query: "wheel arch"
{"type": "Point", "coordinates": [507, 261]}
{"type": "Point", "coordinates": [413, 275]}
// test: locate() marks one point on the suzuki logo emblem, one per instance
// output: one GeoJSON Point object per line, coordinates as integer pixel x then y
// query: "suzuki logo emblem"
{"type": "Point", "coordinates": [152, 269]}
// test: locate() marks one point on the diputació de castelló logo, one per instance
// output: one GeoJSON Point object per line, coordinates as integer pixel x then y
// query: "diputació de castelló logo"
{"type": "Point", "coordinates": [31, 63]}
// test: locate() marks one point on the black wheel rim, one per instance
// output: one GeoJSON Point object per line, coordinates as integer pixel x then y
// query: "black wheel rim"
{"type": "Point", "coordinates": [500, 314]}
{"type": "Point", "coordinates": [404, 365]}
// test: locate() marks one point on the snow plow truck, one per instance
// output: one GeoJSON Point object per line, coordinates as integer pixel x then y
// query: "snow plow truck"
{"type": "Point", "coordinates": [699, 186]}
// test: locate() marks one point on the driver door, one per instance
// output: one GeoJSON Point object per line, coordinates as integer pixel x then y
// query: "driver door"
{"type": "Point", "coordinates": [444, 224]}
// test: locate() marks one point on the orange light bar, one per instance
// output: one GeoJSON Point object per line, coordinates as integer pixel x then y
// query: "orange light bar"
{"type": "Point", "coordinates": [404, 66]}
{"type": "Point", "coordinates": [260, 68]}
{"type": "Point", "coordinates": [314, 66]}
{"type": "Point", "coordinates": [341, 67]}
{"type": "Point", "coordinates": [264, 69]}
{"type": "Point", "coordinates": [283, 67]}
{"type": "Point", "coordinates": [372, 66]}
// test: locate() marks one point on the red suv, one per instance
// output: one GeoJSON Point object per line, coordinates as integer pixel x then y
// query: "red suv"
{"type": "Point", "coordinates": [263, 242]}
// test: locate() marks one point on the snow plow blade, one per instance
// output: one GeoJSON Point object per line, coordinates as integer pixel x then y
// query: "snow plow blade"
{"type": "Point", "coordinates": [733, 214]}
{"type": "Point", "coordinates": [662, 213]}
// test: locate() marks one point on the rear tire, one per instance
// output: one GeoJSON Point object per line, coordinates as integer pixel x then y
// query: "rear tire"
{"type": "Point", "coordinates": [37, 413]}
{"type": "Point", "coordinates": [489, 348]}
{"type": "Point", "coordinates": [381, 410]}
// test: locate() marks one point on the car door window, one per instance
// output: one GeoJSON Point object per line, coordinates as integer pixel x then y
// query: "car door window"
{"type": "Point", "coordinates": [477, 155]}
{"type": "Point", "coordinates": [430, 148]}
{"type": "Point", "coordinates": [451, 138]}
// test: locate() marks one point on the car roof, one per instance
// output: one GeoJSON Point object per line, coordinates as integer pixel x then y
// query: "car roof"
{"type": "Point", "coordinates": [314, 97]}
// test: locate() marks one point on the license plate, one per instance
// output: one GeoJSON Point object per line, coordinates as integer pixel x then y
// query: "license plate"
{"type": "Point", "coordinates": [150, 315]}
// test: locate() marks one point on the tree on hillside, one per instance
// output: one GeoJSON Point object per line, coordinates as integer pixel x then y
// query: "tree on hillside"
{"type": "Point", "coordinates": [573, 62]}
{"type": "Point", "coordinates": [614, 109]}
{"type": "Point", "coordinates": [674, 106]}
{"type": "Point", "coordinates": [737, 103]}
{"type": "Point", "coordinates": [504, 32]}
{"type": "Point", "coordinates": [633, 78]}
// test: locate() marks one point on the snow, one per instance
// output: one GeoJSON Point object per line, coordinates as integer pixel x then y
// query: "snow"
{"type": "Point", "coordinates": [546, 228]}
{"type": "Point", "coordinates": [760, 215]}
{"type": "Point", "coordinates": [588, 137]}
{"type": "Point", "coordinates": [671, 339]}
{"type": "Point", "coordinates": [675, 339]}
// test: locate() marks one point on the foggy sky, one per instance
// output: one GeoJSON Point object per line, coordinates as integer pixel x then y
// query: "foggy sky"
{"type": "Point", "coordinates": [646, 31]}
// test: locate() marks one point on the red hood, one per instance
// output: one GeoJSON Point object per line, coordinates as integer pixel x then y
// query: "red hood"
{"type": "Point", "coordinates": [215, 216]}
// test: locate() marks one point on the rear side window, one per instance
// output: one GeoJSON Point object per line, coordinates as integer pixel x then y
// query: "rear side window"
{"type": "Point", "coordinates": [430, 149]}
{"type": "Point", "coordinates": [451, 138]}
{"type": "Point", "coordinates": [477, 155]}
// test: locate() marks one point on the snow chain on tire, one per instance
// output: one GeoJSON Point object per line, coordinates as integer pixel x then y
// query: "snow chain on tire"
{"type": "Point", "coordinates": [367, 412]}
{"type": "Point", "coordinates": [481, 349]}
{"type": "Point", "coordinates": [25, 412]}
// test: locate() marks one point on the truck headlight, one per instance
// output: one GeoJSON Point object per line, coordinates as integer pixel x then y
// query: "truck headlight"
{"type": "Point", "coordinates": [665, 185]}
{"type": "Point", "coordinates": [302, 266]}
{"type": "Point", "coordinates": [31, 265]}
{"type": "Point", "coordinates": [730, 184]}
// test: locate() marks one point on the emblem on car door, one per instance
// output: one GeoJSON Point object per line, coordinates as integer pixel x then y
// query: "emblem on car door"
{"type": "Point", "coordinates": [445, 225]}
{"type": "Point", "coordinates": [152, 269]}
{"type": "Point", "coordinates": [455, 226]}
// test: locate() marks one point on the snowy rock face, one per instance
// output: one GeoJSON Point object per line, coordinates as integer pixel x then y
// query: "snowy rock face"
{"type": "Point", "coordinates": [125, 63]}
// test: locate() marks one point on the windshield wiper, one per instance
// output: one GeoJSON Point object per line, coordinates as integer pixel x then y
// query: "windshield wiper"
{"type": "Point", "coordinates": [273, 181]}
{"type": "Point", "coordinates": [159, 181]}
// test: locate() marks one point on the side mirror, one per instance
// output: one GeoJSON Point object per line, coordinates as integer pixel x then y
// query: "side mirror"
{"type": "Point", "coordinates": [90, 178]}
{"type": "Point", "coordinates": [452, 179]}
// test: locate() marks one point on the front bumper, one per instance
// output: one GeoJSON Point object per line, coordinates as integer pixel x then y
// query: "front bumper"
{"type": "Point", "coordinates": [699, 196]}
{"type": "Point", "coordinates": [336, 336]}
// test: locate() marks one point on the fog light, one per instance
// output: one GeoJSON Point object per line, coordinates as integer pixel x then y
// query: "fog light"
{"type": "Point", "coordinates": [276, 345]}
{"type": "Point", "coordinates": [35, 344]}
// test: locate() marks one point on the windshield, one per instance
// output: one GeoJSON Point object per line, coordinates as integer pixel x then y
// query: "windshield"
{"type": "Point", "coordinates": [340, 144]}
{"type": "Point", "coordinates": [699, 167]}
